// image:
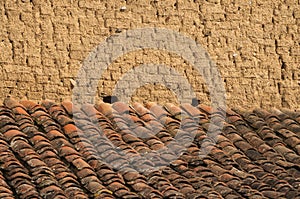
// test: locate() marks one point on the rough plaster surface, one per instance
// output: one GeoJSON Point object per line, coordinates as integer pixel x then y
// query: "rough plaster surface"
{"type": "Point", "coordinates": [254, 43]}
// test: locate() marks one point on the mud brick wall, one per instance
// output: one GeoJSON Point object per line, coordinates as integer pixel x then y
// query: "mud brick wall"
{"type": "Point", "coordinates": [254, 43]}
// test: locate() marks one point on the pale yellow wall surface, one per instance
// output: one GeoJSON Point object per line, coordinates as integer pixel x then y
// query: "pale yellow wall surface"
{"type": "Point", "coordinates": [254, 43]}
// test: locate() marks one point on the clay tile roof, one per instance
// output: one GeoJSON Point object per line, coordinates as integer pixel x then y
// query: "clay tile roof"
{"type": "Point", "coordinates": [58, 150]}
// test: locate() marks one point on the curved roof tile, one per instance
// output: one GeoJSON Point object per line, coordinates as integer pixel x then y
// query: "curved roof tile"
{"type": "Point", "coordinates": [57, 150]}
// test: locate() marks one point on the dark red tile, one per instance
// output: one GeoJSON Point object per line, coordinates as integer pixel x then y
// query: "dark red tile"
{"type": "Point", "coordinates": [10, 134]}
{"type": "Point", "coordinates": [51, 191]}
{"type": "Point", "coordinates": [21, 111]}
{"type": "Point", "coordinates": [121, 107]}
{"type": "Point", "coordinates": [157, 110]}
{"type": "Point", "coordinates": [80, 164]}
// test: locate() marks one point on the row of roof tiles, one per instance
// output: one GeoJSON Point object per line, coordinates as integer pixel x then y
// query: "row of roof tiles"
{"type": "Point", "coordinates": [52, 150]}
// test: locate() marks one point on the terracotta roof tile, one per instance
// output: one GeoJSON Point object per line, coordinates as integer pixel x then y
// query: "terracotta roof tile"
{"type": "Point", "coordinates": [59, 150]}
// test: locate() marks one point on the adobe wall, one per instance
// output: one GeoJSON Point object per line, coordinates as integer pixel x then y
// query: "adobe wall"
{"type": "Point", "coordinates": [254, 43]}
